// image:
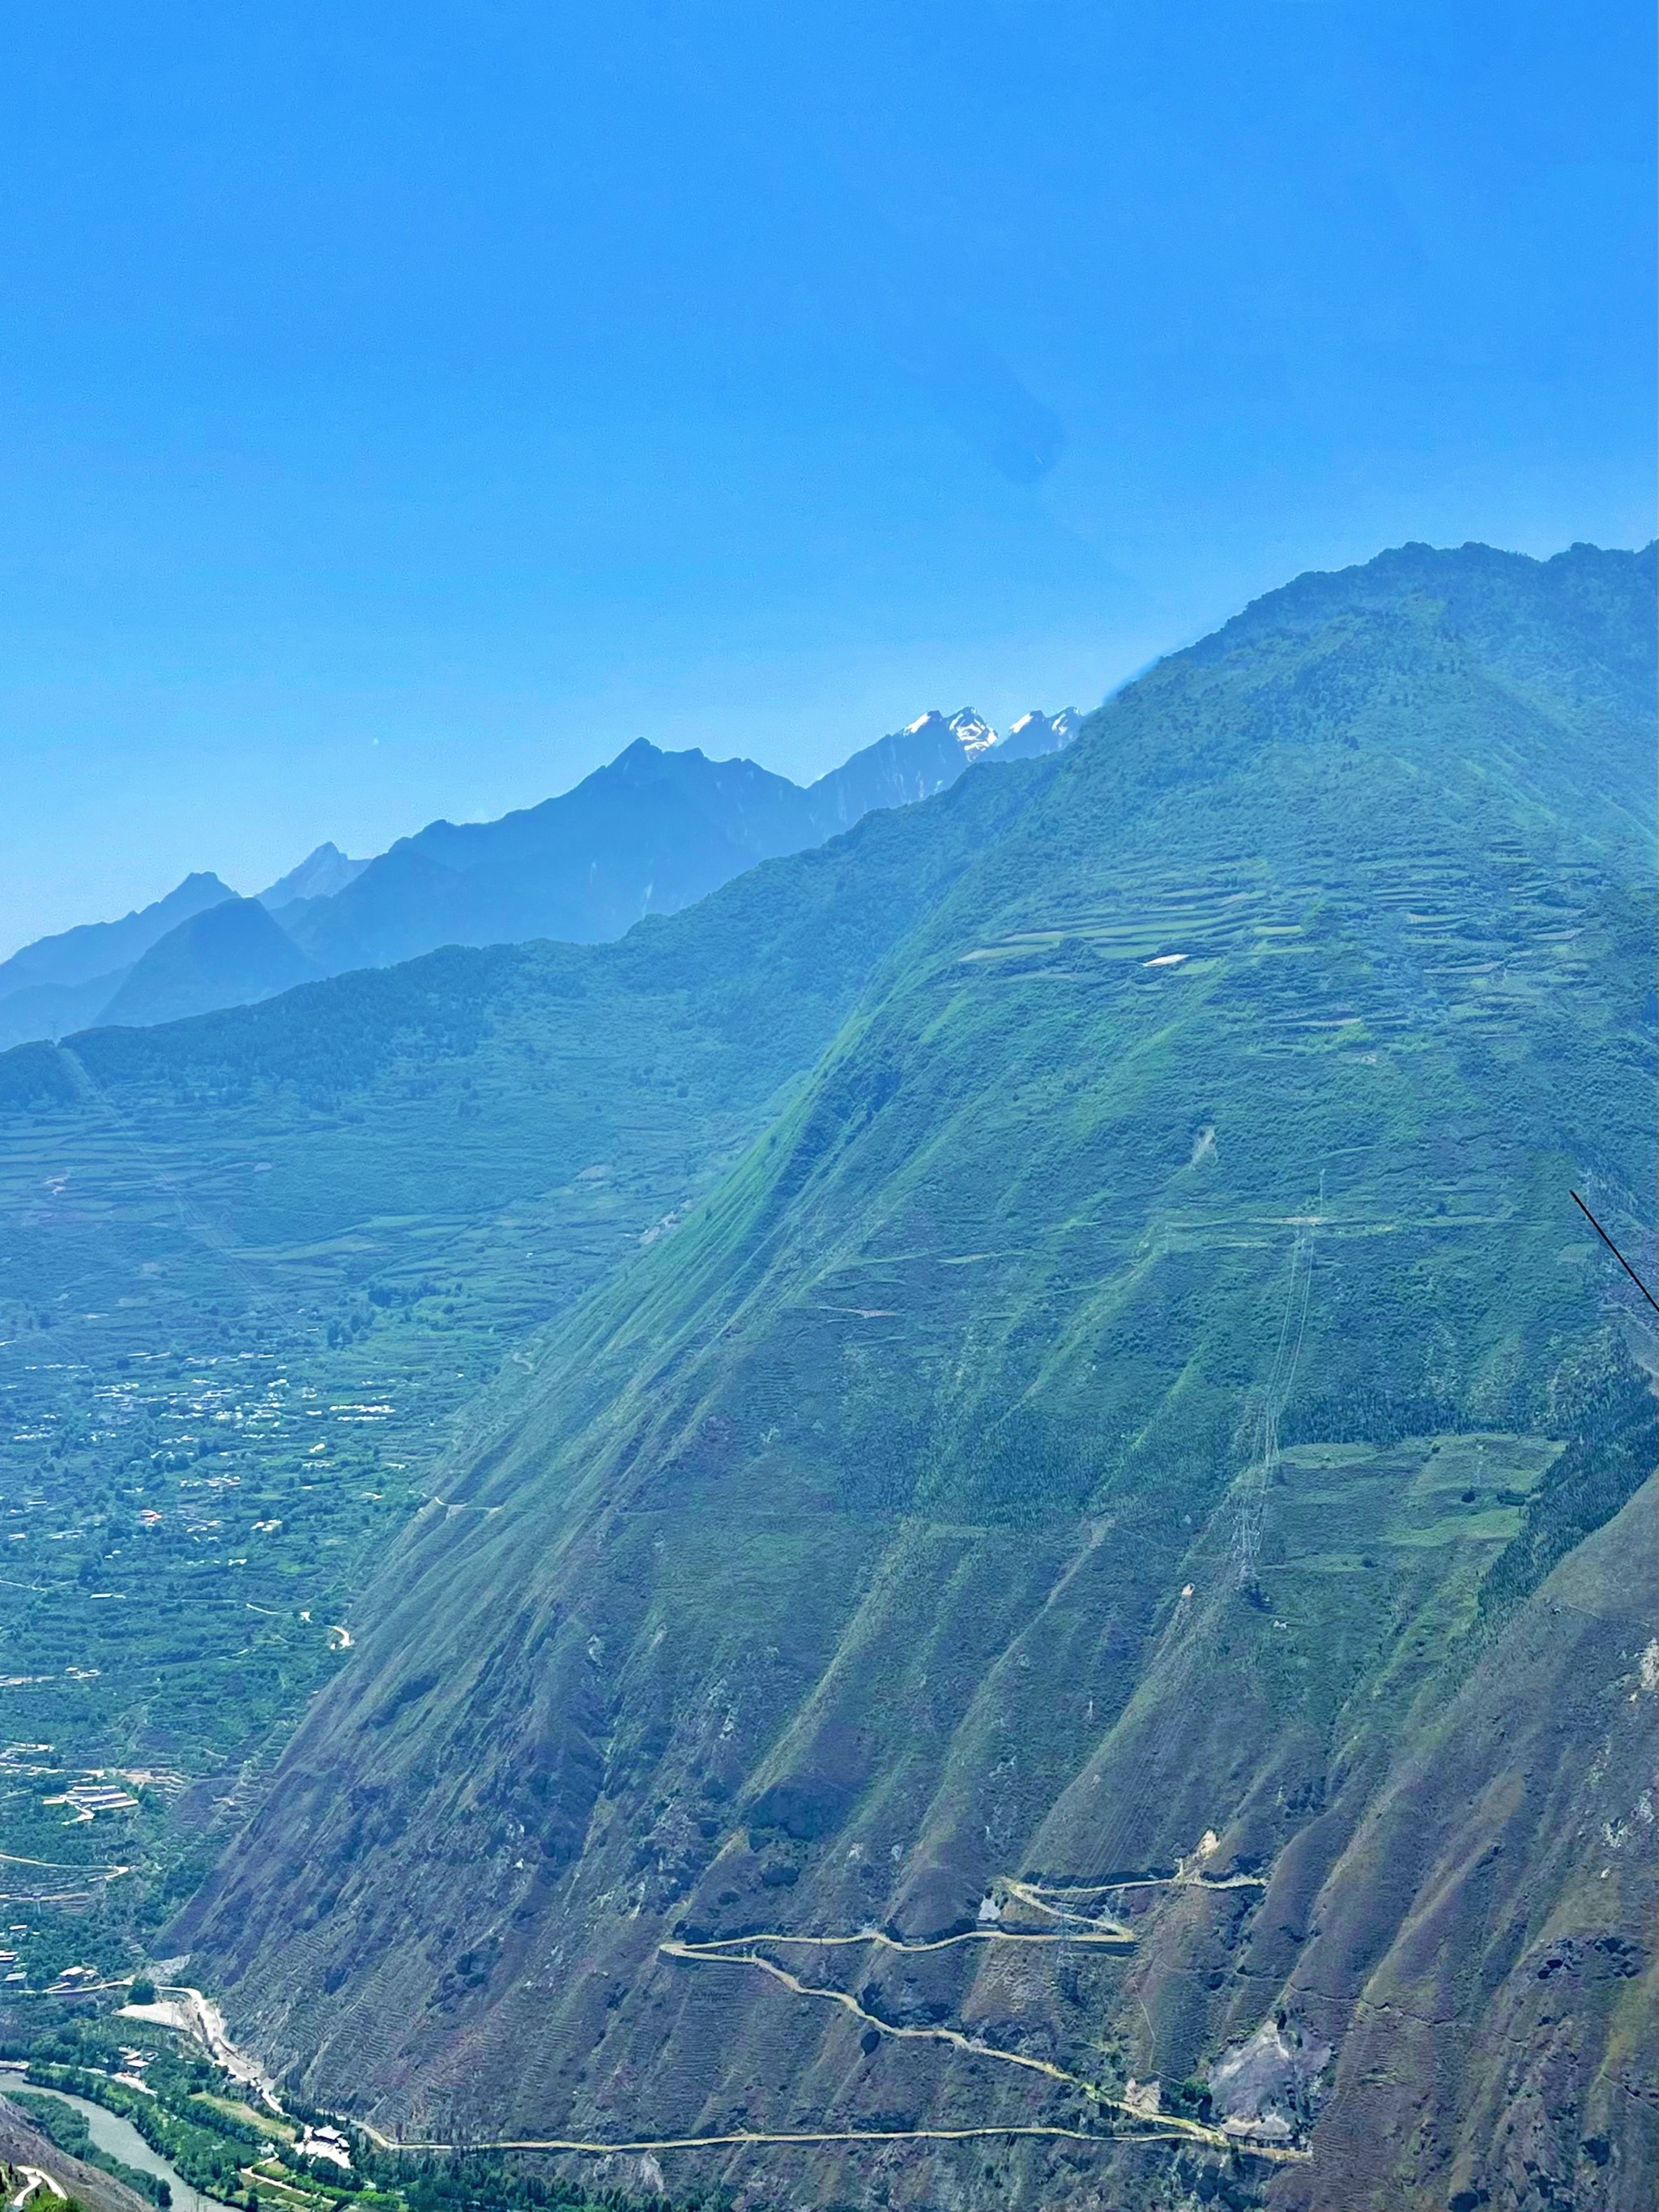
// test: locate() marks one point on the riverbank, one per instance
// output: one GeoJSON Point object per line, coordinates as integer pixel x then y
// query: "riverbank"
{"type": "Point", "coordinates": [118, 2138]}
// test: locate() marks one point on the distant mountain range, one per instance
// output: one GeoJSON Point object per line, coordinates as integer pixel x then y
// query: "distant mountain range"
{"type": "Point", "coordinates": [233, 955]}
{"type": "Point", "coordinates": [649, 833]}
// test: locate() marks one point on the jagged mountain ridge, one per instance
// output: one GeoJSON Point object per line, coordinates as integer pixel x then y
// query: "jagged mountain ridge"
{"type": "Point", "coordinates": [323, 872]}
{"type": "Point", "coordinates": [64, 982]}
{"type": "Point", "coordinates": [932, 1513]}
{"type": "Point", "coordinates": [100, 948]}
{"type": "Point", "coordinates": [649, 833]}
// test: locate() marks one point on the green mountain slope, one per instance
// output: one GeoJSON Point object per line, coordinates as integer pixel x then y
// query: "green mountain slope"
{"type": "Point", "coordinates": [1498, 1899]}
{"type": "Point", "coordinates": [255, 1266]}
{"type": "Point", "coordinates": [983, 1617]}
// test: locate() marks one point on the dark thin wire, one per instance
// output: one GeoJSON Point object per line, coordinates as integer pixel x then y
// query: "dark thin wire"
{"type": "Point", "coordinates": [1616, 1253]}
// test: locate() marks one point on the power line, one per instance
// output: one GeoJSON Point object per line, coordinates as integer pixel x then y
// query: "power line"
{"type": "Point", "coordinates": [1616, 1253]}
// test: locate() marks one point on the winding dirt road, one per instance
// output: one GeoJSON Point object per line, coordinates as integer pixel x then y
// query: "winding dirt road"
{"type": "Point", "coordinates": [1170, 2127]}
{"type": "Point", "coordinates": [1124, 2123]}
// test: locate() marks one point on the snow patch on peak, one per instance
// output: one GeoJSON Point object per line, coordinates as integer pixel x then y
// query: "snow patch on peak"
{"type": "Point", "coordinates": [1036, 733]}
{"type": "Point", "coordinates": [971, 733]}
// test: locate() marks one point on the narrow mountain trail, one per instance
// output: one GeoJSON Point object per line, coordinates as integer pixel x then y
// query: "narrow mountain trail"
{"type": "Point", "coordinates": [1118, 1939]}
{"type": "Point", "coordinates": [36, 2182]}
{"type": "Point", "coordinates": [953, 2037]}
{"type": "Point", "coordinates": [200, 2018]}
{"type": "Point", "coordinates": [1087, 1927]}
{"type": "Point", "coordinates": [64, 1865]}
{"type": "Point", "coordinates": [1036, 1895]}
{"type": "Point", "coordinates": [754, 2136]}
{"type": "Point", "coordinates": [738, 1951]}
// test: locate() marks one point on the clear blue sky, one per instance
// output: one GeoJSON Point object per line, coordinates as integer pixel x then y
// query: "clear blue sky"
{"type": "Point", "coordinates": [407, 405]}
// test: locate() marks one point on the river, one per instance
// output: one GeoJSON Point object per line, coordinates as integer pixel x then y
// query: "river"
{"type": "Point", "coordinates": [121, 2140]}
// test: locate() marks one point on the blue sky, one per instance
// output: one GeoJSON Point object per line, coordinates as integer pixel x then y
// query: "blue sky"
{"type": "Point", "coordinates": [403, 407]}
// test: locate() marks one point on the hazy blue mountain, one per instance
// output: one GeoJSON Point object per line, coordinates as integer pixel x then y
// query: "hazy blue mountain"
{"type": "Point", "coordinates": [64, 982]}
{"type": "Point", "coordinates": [233, 955]}
{"type": "Point", "coordinates": [1033, 734]}
{"type": "Point", "coordinates": [649, 833]}
{"type": "Point", "coordinates": [98, 949]}
{"type": "Point", "coordinates": [319, 875]}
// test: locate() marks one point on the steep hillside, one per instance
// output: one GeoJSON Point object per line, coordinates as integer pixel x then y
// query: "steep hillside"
{"type": "Point", "coordinates": [1488, 1931]}
{"type": "Point", "coordinates": [1017, 1615]}
{"type": "Point", "coordinates": [255, 1266]}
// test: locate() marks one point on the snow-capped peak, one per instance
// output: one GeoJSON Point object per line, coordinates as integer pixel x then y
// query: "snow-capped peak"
{"type": "Point", "coordinates": [973, 735]}
{"type": "Point", "coordinates": [1033, 733]}
{"type": "Point", "coordinates": [1036, 733]}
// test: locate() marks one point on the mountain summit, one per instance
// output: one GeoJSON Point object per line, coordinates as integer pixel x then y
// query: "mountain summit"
{"type": "Point", "coordinates": [1033, 734]}
{"type": "Point", "coordinates": [234, 954]}
{"type": "Point", "coordinates": [319, 875]}
{"type": "Point", "coordinates": [973, 735]}
{"type": "Point", "coordinates": [64, 982]}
